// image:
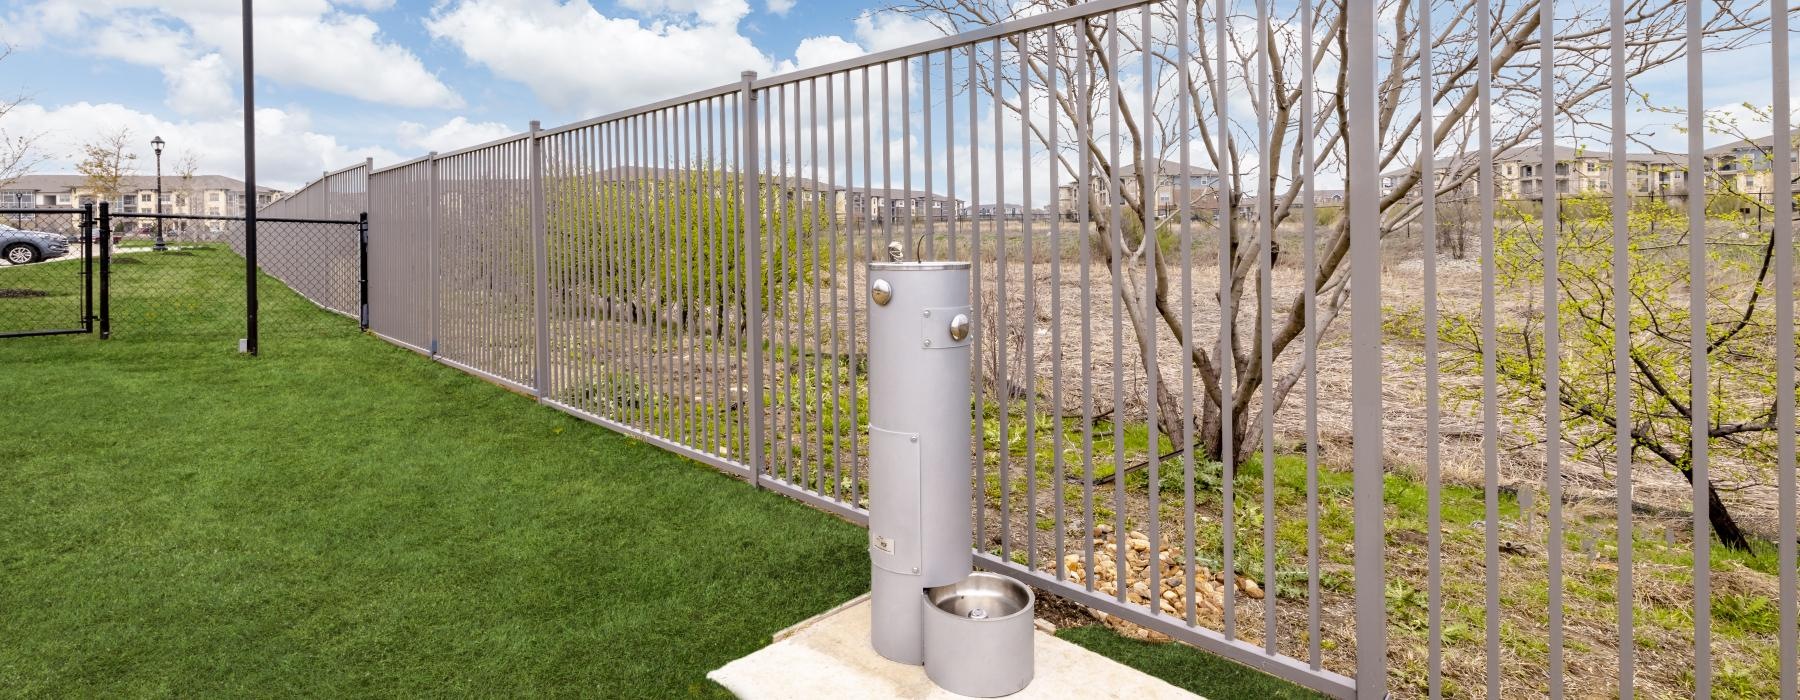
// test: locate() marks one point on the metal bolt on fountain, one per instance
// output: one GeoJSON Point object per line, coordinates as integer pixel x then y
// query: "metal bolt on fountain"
{"type": "Point", "coordinates": [972, 631]}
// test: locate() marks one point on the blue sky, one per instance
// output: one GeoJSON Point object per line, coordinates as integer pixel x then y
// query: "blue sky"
{"type": "Point", "coordinates": [340, 80]}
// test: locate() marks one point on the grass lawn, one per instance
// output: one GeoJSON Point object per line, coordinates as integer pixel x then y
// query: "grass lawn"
{"type": "Point", "coordinates": [343, 517]}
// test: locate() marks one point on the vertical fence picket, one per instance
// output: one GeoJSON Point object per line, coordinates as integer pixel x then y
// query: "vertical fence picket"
{"type": "Point", "coordinates": [749, 199]}
{"type": "Point", "coordinates": [1699, 352]}
{"type": "Point", "coordinates": [1366, 352]}
{"type": "Point", "coordinates": [540, 266]}
{"type": "Point", "coordinates": [1621, 273]}
{"type": "Point", "coordinates": [1783, 233]}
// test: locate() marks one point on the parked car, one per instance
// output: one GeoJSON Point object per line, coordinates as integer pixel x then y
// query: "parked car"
{"type": "Point", "coordinates": [21, 247]}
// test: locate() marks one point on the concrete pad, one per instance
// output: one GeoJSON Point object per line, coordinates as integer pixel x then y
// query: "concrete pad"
{"type": "Point", "coordinates": [829, 657]}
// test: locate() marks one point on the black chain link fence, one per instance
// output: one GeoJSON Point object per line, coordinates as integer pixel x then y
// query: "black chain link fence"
{"type": "Point", "coordinates": [176, 277]}
{"type": "Point", "coordinates": [183, 277]}
{"type": "Point", "coordinates": [46, 271]}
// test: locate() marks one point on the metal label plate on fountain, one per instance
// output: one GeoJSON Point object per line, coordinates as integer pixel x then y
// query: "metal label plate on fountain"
{"type": "Point", "coordinates": [894, 482]}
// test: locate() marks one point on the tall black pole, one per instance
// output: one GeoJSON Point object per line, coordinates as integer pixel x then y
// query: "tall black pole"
{"type": "Point", "coordinates": [105, 270]}
{"type": "Point", "coordinates": [249, 181]}
{"type": "Point", "coordinates": [160, 245]}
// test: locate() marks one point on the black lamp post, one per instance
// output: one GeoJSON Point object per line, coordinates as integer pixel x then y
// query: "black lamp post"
{"type": "Point", "coordinates": [156, 144]}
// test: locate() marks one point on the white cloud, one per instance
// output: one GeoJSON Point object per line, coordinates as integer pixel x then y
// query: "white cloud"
{"type": "Point", "coordinates": [454, 134]}
{"type": "Point", "coordinates": [889, 30]}
{"type": "Point", "coordinates": [821, 50]}
{"type": "Point", "coordinates": [289, 151]}
{"type": "Point", "coordinates": [780, 7]}
{"type": "Point", "coordinates": [302, 42]}
{"type": "Point", "coordinates": [873, 31]}
{"type": "Point", "coordinates": [576, 59]}
{"type": "Point", "coordinates": [201, 86]}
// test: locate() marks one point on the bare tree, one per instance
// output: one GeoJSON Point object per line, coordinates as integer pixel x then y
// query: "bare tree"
{"type": "Point", "coordinates": [18, 152]}
{"type": "Point", "coordinates": [187, 195]}
{"type": "Point", "coordinates": [106, 162]}
{"type": "Point", "coordinates": [1654, 38]}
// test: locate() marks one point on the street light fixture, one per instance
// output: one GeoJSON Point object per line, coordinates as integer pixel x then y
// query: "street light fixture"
{"type": "Point", "coordinates": [156, 144]}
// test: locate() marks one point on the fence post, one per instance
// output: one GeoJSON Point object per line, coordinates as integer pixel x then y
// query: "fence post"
{"type": "Point", "coordinates": [105, 270]}
{"type": "Point", "coordinates": [750, 197]}
{"type": "Point", "coordinates": [368, 320]}
{"type": "Point", "coordinates": [87, 267]}
{"type": "Point", "coordinates": [362, 272]}
{"type": "Point", "coordinates": [1365, 358]}
{"type": "Point", "coordinates": [431, 244]}
{"type": "Point", "coordinates": [540, 245]}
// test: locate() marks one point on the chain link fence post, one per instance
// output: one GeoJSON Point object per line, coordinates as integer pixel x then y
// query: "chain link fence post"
{"type": "Point", "coordinates": [87, 267]}
{"type": "Point", "coordinates": [105, 226]}
{"type": "Point", "coordinates": [362, 275]}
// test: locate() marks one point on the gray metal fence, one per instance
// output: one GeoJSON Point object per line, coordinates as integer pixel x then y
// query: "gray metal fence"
{"type": "Point", "coordinates": [402, 254]}
{"type": "Point", "coordinates": [1174, 426]}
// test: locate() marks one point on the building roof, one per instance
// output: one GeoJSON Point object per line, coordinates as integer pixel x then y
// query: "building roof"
{"type": "Point", "coordinates": [1530, 153]}
{"type": "Point", "coordinates": [1764, 143]}
{"type": "Point", "coordinates": [1166, 167]}
{"type": "Point", "coordinates": [132, 183]}
{"type": "Point", "coordinates": [895, 193]}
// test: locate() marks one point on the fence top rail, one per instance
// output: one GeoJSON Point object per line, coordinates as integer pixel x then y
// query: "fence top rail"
{"type": "Point", "coordinates": [210, 217]}
{"type": "Point", "coordinates": [339, 171]}
{"type": "Point", "coordinates": [706, 94]}
{"type": "Point", "coordinates": [403, 164]}
{"type": "Point", "coordinates": [502, 141]}
{"type": "Point", "coordinates": [29, 210]}
{"type": "Point", "coordinates": [973, 36]}
{"type": "Point", "coordinates": [318, 181]}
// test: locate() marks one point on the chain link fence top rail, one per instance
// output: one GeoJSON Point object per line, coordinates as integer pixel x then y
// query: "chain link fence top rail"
{"type": "Point", "coordinates": [1214, 401]}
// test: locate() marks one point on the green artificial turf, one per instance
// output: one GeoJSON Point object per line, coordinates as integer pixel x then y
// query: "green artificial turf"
{"type": "Point", "coordinates": [342, 517]}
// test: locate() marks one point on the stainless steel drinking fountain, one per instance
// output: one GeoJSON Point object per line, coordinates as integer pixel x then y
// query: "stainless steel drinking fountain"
{"type": "Point", "coordinates": [920, 495]}
{"type": "Point", "coordinates": [978, 636]}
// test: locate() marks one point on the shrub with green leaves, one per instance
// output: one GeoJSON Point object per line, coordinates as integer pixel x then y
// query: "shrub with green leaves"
{"type": "Point", "coordinates": [1740, 343]}
{"type": "Point", "coordinates": [670, 244]}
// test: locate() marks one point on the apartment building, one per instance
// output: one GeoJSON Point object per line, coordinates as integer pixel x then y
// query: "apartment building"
{"type": "Point", "coordinates": [210, 195]}
{"type": "Point", "coordinates": [894, 204]}
{"type": "Point", "coordinates": [1745, 167]}
{"type": "Point", "coordinates": [1519, 173]}
{"type": "Point", "coordinates": [1202, 186]}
